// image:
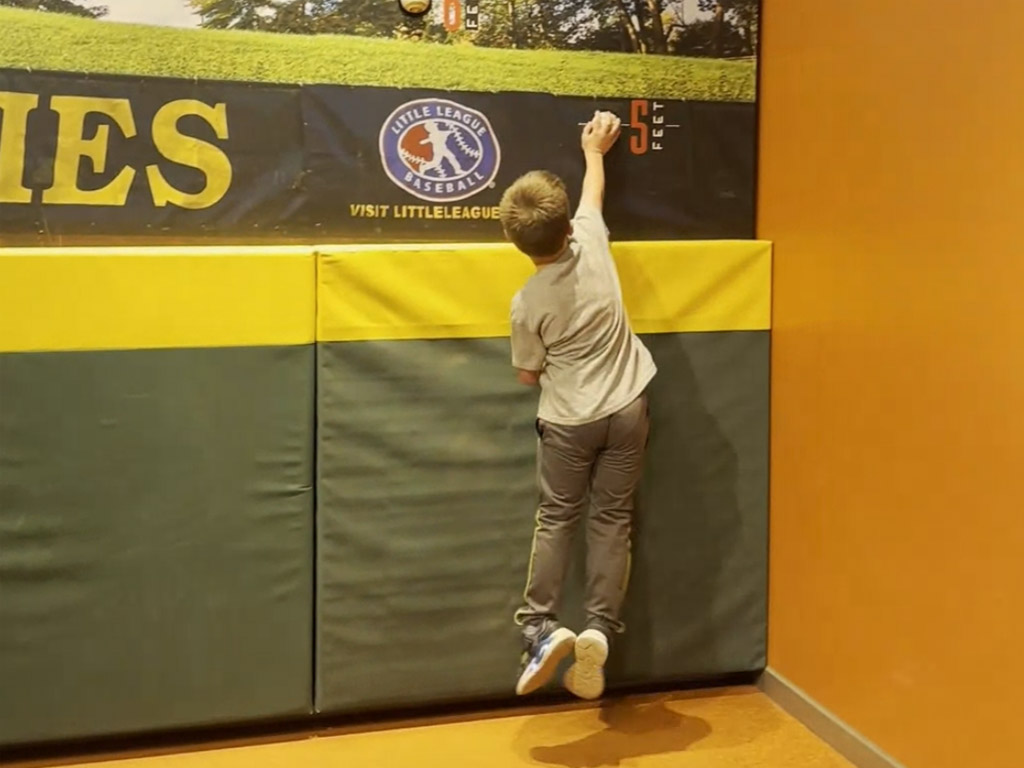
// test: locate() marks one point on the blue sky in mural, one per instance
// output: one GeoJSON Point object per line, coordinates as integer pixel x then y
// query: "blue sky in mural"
{"type": "Point", "coordinates": [165, 13]}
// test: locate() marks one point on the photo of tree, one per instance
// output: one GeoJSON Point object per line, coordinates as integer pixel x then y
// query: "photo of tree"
{"type": "Point", "coordinates": [718, 28]}
{"type": "Point", "coordinates": [675, 49]}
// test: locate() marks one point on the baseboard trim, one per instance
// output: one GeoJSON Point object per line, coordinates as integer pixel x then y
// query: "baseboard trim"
{"type": "Point", "coordinates": [824, 724]}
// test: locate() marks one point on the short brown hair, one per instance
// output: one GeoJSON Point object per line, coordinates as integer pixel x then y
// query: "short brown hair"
{"type": "Point", "coordinates": [535, 214]}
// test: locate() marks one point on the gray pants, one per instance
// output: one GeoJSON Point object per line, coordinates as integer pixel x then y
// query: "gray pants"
{"type": "Point", "coordinates": [601, 462]}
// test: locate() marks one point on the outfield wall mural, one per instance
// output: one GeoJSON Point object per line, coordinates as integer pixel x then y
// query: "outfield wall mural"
{"type": "Point", "coordinates": [350, 120]}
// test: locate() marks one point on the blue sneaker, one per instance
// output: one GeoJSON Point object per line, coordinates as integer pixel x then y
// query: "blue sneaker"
{"type": "Point", "coordinates": [541, 660]}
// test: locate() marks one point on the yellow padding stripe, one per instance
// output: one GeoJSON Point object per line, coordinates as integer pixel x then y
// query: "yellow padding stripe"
{"type": "Point", "coordinates": [77, 299]}
{"type": "Point", "coordinates": [464, 291]}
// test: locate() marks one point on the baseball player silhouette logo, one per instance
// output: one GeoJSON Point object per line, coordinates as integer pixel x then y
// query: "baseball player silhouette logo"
{"type": "Point", "coordinates": [439, 150]}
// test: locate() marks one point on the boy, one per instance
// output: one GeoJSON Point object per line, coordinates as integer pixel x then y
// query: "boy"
{"type": "Point", "coordinates": [571, 336]}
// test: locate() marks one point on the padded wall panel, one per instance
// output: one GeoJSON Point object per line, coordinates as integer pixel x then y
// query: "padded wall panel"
{"type": "Point", "coordinates": [156, 539]}
{"type": "Point", "coordinates": [153, 298]}
{"type": "Point", "coordinates": [464, 291]}
{"type": "Point", "coordinates": [425, 514]}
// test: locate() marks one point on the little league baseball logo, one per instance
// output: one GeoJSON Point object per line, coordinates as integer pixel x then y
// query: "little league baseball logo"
{"type": "Point", "coordinates": [439, 150]}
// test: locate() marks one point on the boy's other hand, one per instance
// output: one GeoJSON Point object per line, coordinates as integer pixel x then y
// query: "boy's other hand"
{"type": "Point", "coordinates": [601, 133]}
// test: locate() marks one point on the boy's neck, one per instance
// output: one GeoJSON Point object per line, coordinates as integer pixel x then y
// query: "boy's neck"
{"type": "Point", "coordinates": [546, 261]}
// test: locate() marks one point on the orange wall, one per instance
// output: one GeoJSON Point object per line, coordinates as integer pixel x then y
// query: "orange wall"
{"type": "Point", "coordinates": [892, 182]}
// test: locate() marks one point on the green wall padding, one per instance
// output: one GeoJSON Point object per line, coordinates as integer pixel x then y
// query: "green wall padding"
{"type": "Point", "coordinates": [156, 539]}
{"type": "Point", "coordinates": [426, 498]}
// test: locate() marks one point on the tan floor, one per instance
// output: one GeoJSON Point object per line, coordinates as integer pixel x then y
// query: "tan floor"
{"type": "Point", "coordinates": [728, 729]}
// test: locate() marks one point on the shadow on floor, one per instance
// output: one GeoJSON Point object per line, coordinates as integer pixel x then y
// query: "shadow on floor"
{"type": "Point", "coordinates": [632, 730]}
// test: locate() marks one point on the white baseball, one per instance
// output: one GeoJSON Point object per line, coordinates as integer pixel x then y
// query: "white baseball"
{"type": "Point", "coordinates": [414, 6]}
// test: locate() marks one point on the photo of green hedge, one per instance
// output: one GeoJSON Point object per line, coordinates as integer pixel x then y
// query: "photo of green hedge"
{"type": "Point", "coordinates": [532, 47]}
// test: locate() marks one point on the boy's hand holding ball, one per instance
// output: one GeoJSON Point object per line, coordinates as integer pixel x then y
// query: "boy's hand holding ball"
{"type": "Point", "coordinates": [601, 133]}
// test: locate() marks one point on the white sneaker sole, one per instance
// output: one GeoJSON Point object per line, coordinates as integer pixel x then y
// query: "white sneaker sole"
{"type": "Point", "coordinates": [585, 678]}
{"type": "Point", "coordinates": [561, 645]}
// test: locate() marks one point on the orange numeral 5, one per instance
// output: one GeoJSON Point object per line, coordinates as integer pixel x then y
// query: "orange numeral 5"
{"type": "Point", "coordinates": [452, 15]}
{"type": "Point", "coordinates": [638, 143]}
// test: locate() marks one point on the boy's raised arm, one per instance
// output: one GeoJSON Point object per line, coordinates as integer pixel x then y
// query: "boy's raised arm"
{"type": "Point", "coordinates": [599, 135]}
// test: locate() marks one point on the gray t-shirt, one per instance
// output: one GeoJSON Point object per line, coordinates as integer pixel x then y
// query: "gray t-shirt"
{"type": "Point", "coordinates": [569, 323]}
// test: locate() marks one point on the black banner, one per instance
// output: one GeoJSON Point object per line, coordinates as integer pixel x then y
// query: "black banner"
{"type": "Point", "coordinates": [119, 157]}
